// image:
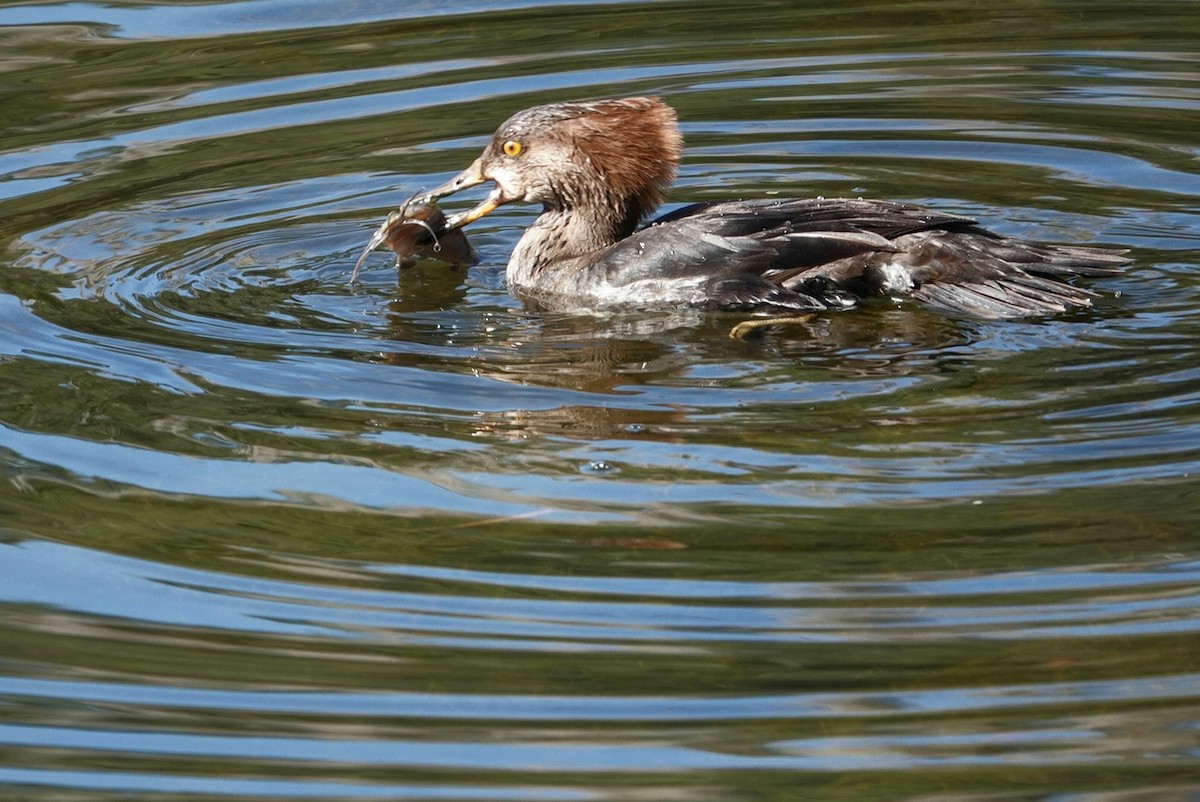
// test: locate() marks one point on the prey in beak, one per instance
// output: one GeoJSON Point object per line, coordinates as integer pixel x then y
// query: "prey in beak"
{"type": "Point", "coordinates": [470, 177]}
{"type": "Point", "coordinates": [419, 228]}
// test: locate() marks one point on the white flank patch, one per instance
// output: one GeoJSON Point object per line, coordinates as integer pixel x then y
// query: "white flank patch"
{"type": "Point", "coordinates": [896, 278]}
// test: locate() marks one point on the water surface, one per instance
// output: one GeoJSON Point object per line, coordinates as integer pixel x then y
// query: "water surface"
{"type": "Point", "coordinates": [266, 536]}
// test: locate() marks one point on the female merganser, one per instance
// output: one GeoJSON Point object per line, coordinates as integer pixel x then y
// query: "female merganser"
{"type": "Point", "coordinates": [599, 167]}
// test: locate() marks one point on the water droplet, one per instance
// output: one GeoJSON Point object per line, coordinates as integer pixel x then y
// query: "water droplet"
{"type": "Point", "coordinates": [600, 466]}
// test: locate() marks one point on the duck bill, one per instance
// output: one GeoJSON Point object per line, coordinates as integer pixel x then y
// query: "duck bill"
{"type": "Point", "coordinates": [488, 205]}
{"type": "Point", "coordinates": [470, 177]}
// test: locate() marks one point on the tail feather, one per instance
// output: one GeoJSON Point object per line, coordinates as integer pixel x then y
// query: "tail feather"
{"type": "Point", "coordinates": [1067, 260]}
{"type": "Point", "coordinates": [995, 277]}
{"type": "Point", "coordinates": [1008, 297]}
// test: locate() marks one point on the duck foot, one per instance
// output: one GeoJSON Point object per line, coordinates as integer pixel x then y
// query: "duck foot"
{"type": "Point", "coordinates": [755, 325]}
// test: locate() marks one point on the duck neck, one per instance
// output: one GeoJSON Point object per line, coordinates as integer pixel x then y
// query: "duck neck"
{"type": "Point", "coordinates": [566, 236]}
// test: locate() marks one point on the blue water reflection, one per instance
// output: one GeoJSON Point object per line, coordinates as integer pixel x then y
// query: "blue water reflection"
{"type": "Point", "coordinates": [265, 535]}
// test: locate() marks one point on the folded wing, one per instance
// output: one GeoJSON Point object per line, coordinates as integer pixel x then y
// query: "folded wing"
{"type": "Point", "coordinates": [829, 253]}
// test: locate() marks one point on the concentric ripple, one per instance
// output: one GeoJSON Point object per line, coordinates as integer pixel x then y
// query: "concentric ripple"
{"type": "Point", "coordinates": [266, 535]}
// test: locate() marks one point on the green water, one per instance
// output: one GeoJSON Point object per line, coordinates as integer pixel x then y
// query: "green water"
{"type": "Point", "coordinates": [266, 536]}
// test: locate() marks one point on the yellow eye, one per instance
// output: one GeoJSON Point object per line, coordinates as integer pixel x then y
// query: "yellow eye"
{"type": "Point", "coordinates": [512, 148]}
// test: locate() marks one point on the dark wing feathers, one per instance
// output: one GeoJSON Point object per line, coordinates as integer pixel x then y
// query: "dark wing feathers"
{"type": "Point", "coordinates": [823, 253]}
{"type": "Point", "coordinates": [818, 215]}
{"type": "Point", "coordinates": [1013, 296]}
{"type": "Point", "coordinates": [752, 293]}
{"type": "Point", "coordinates": [760, 237]}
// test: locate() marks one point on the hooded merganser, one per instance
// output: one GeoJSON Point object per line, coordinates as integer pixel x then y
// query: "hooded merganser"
{"type": "Point", "coordinates": [600, 167]}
